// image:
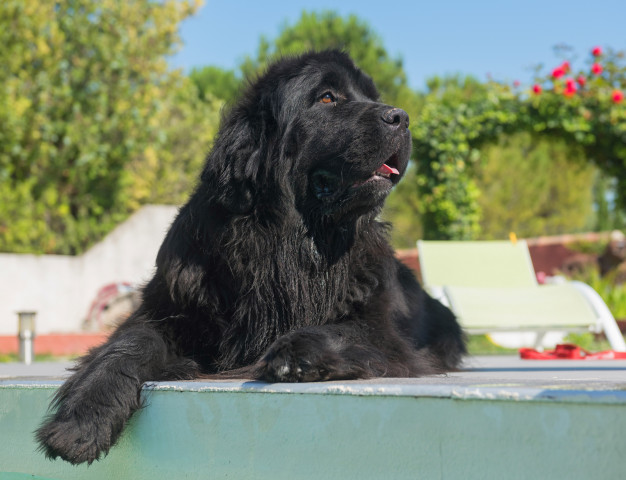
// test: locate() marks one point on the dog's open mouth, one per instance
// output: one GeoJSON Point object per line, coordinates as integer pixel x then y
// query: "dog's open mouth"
{"type": "Point", "coordinates": [386, 170]}
{"type": "Point", "coordinates": [327, 185]}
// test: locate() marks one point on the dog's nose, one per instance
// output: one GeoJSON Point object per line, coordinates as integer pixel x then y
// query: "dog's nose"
{"type": "Point", "coordinates": [396, 117]}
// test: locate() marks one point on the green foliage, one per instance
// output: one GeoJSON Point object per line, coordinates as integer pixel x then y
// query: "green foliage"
{"type": "Point", "coordinates": [40, 357]}
{"type": "Point", "coordinates": [83, 89]}
{"type": "Point", "coordinates": [613, 294]}
{"type": "Point", "coordinates": [588, 247]}
{"type": "Point", "coordinates": [455, 89]}
{"type": "Point", "coordinates": [402, 209]}
{"type": "Point", "coordinates": [216, 83]}
{"type": "Point", "coordinates": [609, 215]}
{"type": "Point", "coordinates": [588, 341]}
{"type": "Point", "coordinates": [8, 357]}
{"type": "Point", "coordinates": [443, 134]}
{"type": "Point", "coordinates": [533, 186]}
{"type": "Point", "coordinates": [167, 170]}
{"type": "Point", "coordinates": [482, 345]}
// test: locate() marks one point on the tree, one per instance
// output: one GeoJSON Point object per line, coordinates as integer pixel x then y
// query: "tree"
{"type": "Point", "coordinates": [216, 83]}
{"type": "Point", "coordinates": [533, 185]}
{"type": "Point", "coordinates": [166, 171]}
{"type": "Point", "coordinates": [83, 87]}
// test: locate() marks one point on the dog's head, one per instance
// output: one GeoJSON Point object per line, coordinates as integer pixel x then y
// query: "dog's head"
{"type": "Point", "coordinates": [310, 132]}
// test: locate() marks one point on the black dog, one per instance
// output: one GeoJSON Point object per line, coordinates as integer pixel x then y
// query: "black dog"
{"type": "Point", "coordinates": [277, 265]}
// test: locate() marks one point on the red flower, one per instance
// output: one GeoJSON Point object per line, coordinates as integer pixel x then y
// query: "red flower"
{"type": "Point", "coordinates": [581, 81]}
{"type": "Point", "coordinates": [565, 67]}
{"type": "Point", "coordinates": [617, 96]}
{"type": "Point", "coordinates": [558, 72]}
{"type": "Point", "coordinates": [537, 89]}
{"type": "Point", "coordinates": [516, 83]}
{"type": "Point", "coordinates": [596, 52]}
{"type": "Point", "coordinates": [596, 68]}
{"type": "Point", "coordinates": [569, 92]}
{"type": "Point", "coordinates": [570, 87]}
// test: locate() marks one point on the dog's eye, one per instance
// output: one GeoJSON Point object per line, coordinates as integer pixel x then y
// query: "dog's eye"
{"type": "Point", "coordinates": [328, 98]}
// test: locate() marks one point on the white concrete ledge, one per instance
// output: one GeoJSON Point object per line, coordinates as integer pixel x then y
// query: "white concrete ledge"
{"type": "Point", "coordinates": [599, 393]}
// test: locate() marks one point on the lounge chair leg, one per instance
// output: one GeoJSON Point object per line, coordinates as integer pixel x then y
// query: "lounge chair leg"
{"type": "Point", "coordinates": [605, 317]}
{"type": "Point", "coordinates": [539, 340]}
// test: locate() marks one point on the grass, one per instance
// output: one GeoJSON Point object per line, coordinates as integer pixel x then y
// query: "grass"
{"type": "Point", "coordinates": [482, 345]}
{"type": "Point", "coordinates": [43, 357]}
{"type": "Point", "coordinates": [589, 341]}
{"type": "Point", "coordinates": [8, 357]}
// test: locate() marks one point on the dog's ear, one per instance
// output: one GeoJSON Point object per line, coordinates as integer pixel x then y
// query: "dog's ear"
{"type": "Point", "coordinates": [236, 162]}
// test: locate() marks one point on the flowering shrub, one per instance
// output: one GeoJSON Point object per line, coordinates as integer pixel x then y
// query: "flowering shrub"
{"type": "Point", "coordinates": [594, 74]}
{"type": "Point", "coordinates": [582, 104]}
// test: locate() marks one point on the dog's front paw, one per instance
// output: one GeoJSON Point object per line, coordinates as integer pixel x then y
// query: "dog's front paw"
{"type": "Point", "coordinates": [74, 439]}
{"type": "Point", "coordinates": [298, 357]}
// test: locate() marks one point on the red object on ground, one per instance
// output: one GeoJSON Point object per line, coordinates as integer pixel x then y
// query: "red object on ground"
{"type": "Point", "coordinates": [57, 344]}
{"type": "Point", "coordinates": [568, 351]}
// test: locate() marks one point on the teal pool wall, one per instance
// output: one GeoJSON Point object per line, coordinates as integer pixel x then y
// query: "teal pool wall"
{"type": "Point", "coordinates": [212, 431]}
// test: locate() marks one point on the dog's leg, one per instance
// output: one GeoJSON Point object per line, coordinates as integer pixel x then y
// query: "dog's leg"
{"type": "Point", "coordinates": [92, 407]}
{"type": "Point", "coordinates": [341, 352]}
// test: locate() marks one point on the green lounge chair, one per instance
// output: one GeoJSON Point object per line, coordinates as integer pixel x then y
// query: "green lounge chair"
{"type": "Point", "coordinates": [492, 287]}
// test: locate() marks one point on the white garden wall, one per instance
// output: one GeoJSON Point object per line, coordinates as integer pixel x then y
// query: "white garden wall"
{"type": "Point", "coordinates": [61, 288]}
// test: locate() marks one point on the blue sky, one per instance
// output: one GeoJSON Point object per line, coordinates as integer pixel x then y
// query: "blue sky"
{"type": "Point", "coordinates": [503, 38]}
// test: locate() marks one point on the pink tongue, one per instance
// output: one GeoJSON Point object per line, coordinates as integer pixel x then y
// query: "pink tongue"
{"type": "Point", "coordinates": [387, 169]}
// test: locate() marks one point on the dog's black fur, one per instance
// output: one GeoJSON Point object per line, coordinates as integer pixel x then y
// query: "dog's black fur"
{"type": "Point", "coordinates": [277, 265]}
